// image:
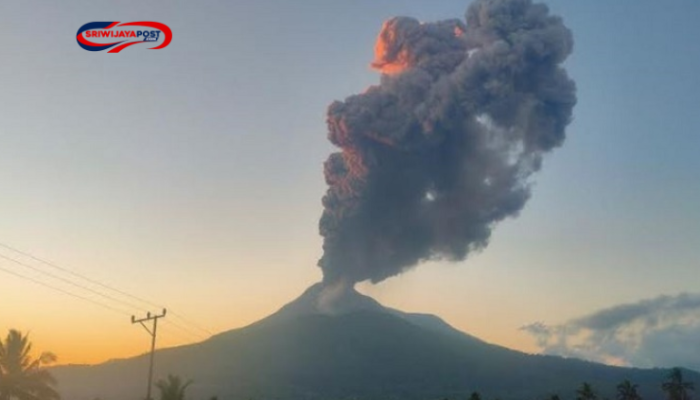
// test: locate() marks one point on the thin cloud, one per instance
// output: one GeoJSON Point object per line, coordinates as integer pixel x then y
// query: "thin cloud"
{"type": "Point", "coordinates": [659, 332]}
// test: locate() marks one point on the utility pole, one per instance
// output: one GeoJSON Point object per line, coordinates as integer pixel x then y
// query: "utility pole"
{"type": "Point", "coordinates": [151, 332]}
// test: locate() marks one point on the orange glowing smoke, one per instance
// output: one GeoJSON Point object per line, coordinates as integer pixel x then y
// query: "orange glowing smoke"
{"type": "Point", "coordinates": [393, 53]}
{"type": "Point", "coordinates": [390, 56]}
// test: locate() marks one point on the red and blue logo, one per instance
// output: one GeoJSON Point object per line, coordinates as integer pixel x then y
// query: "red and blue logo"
{"type": "Point", "coordinates": [98, 36]}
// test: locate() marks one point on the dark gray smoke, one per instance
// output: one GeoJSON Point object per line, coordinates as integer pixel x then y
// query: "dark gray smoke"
{"type": "Point", "coordinates": [442, 149]}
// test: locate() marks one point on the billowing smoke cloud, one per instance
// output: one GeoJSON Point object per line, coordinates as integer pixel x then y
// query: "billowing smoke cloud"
{"type": "Point", "coordinates": [659, 332]}
{"type": "Point", "coordinates": [442, 149]}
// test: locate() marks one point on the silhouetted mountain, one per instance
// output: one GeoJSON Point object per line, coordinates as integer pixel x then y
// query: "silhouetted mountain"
{"type": "Point", "coordinates": [357, 349]}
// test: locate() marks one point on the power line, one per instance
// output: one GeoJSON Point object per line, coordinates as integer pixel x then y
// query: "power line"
{"type": "Point", "coordinates": [186, 321]}
{"type": "Point", "coordinates": [66, 270]}
{"type": "Point", "coordinates": [95, 282]}
{"type": "Point", "coordinates": [106, 296]}
{"type": "Point", "coordinates": [108, 307]}
{"type": "Point", "coordinates": [69, 293]}
{"type": "Point", "coordinates": [64, 291]}
{"type": "Point", "coordinates": [189, 332]}
{"type": "Point", "coordinates": [187, 338]}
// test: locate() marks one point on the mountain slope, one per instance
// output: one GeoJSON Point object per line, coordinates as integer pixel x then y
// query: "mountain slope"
{"type": "Point", "coordinates": [364, 351]}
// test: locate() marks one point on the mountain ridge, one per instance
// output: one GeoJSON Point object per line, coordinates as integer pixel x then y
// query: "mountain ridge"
{"type": "Point", "coordinates": [359, 349]}
{"type": "Point", "coordinates": [353, 301]}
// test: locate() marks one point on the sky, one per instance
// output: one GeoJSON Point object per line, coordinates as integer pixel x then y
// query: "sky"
{"type": "Point", "coordinates": [191, 177]}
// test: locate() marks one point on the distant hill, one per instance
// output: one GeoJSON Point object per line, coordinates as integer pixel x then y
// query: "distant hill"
{"type": "Point", "coordinates": [358, 350]}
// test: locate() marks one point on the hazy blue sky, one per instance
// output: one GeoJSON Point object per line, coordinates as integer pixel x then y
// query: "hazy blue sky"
{"type": "Point", "coordinates": [192, 175]}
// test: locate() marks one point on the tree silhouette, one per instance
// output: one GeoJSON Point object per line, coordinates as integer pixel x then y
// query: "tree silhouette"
{"type": "Point", "coordinates": [21, 376]}
{"type": "Point", "coordinates": [585, 392]}
{"type": "Point", "coordinates": [475, 396]}
{"type": "Point", "coordinates": [172, 389]}
{"type": "Point", "coordinates": [627, 391]}
{"type": "Point", "coordinates": [675, 387]}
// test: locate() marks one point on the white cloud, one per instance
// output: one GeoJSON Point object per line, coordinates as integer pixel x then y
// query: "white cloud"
{"type": "Point", "coordinates": [659, 332]}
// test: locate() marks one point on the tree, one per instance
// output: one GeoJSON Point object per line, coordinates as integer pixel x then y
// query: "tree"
{"type": "Point", "coordinates": [585, 392]}
{"type": "Point", "coordinates": [172, 389]}
{"type": "Point", "coordinates": [21, 376]}
{"type": "Point", "coordinates": [675, 387]}
{"type": "Point", "coordinates": [475, 396]}
{"type": "Point", "coordinates": [627, 391]}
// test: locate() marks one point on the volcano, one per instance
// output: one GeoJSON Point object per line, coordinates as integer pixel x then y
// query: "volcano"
{"type": "Point", "coordinates": [352, 347]}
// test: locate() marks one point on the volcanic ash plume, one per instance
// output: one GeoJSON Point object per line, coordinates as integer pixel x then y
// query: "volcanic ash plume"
{"type": "Point", "coordinates": [443, 148]}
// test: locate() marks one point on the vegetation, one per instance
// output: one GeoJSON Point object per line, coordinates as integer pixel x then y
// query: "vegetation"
{"type": "Point", "coordinates": [21, 376]}
{"type": "Point", "coordinates": [627, 391]}
{"type": "Point", "coordinates": [675, 387]}
{"type": "Point", "coordinates": [173, 388]}
{"type": "Point", "coordinates": [585, 392]}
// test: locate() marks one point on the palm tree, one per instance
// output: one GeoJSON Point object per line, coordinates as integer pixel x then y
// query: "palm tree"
{"type": "Point", "coordinates": [627, 391]}
{"type": "Point", "coordinates": [675, 387]}
{"type": "Point", "coordinates": [585, 392]}
{"type": "Point", "coordinates": [21, 377]}
{"type": "Point", "coordinates": [172, 389]}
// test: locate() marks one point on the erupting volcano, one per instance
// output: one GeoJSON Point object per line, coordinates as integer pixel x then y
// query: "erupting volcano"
{"type": "Point", "coordinates": [430, 160]}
